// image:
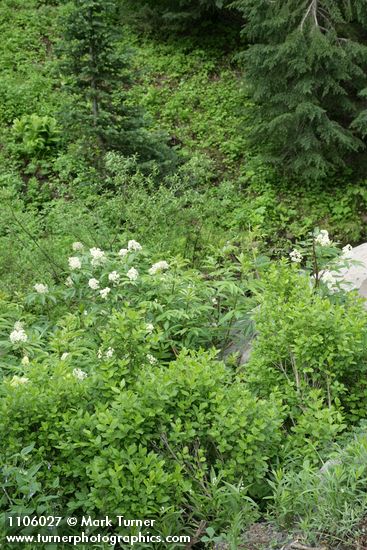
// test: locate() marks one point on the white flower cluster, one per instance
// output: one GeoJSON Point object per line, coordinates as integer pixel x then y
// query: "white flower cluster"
{"type": "Point", "coordinates": [296, 256]}
{"type": "Point", "coordinates": [151, 359]}
{"type": "Point", "coordinates": [41, 288]}
{"type": "Point", "coordinates": [25, 361]}
{"type": "Point", "coordinates": [323, 238]}
{"type": "Point", "coordinates": [18, 334]}
{"type": "Point", "coordinates": [78, 247]}
{"type": "Point", "coordinates": [74, 262]}
{"type": "Point", "coordinates": [69, 281]}
{"type": "Point", "coordinates": [79, 374]}
{"type": "Point", "coordinates": [105, 292]}
{"type": "Point", "coordinates": [159, 266]}
{"type": "Point", "coordinates": [93, 284]}
{"type": "Point", "coordinates": [17, 380]}
{"type": "Point", "coordinates": [134, 245]}
{"type": "Point", "coordinates": [114, 277]}
{"type": "Point", "coordinates": [98, 257]}
{"type": "Point", "coordinates": [132, 274]}
{"type": "Point", "coordinates": [150, 328]}
{"type": "Point", "coordinates": [109, 353]}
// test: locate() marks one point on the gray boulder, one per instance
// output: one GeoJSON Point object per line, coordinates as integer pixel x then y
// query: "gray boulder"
{"type": "Point", "coordinates": [240, 342]}
{"type": "Point", "coordinates": [354, 277]}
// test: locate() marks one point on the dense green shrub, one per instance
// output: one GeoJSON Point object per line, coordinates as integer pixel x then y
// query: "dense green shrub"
{"type": "Point", "coordinates": [311, 348]}
{"type": "Point", "coordinates": [176, 424]}
{"type": "Point", "coordinates": [187, 309]}
{"type": "Point", "coordinates": [112, 395]}
{"type": "Point", "coordinates": [112, 422]}
{"type": "Point", "coordinates": [35, 141]}
{"type": "Point", "coordinates": [36, 135]}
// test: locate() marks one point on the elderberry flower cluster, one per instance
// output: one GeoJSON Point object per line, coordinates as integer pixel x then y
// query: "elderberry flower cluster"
{"type": "Point", "coordinates": [114, 277]}
{"type": "Point", "coordinates": [79, 374]}
{"type": "Point", "coordinates": [77, 247]}
{"type": "Point", "coordinates": [151, 359]}
{"type": "Point", "coordinates": [330, 281]}
{"type": "Point", "coordinates": [98, 257]}
{"type": "Point", "coordinates": [18, 380]}
{"type": "Point", "coordinates": [18, 334]}
{"type": "Point", "coordinates": [74, 263]}
{"type": "Point", "coordinates": [134, 245]}
{"type": "Point", "coordinates": [323, 238]}
{"type": "Point", "coordinates": [41, 288]}
{"type": "Point", "coordinates": [69, 281]}
{"type": "Point", "coordinates": [159, 266]}
{"type": "Point", "coordinates": [346, 251]}
{"type": "Point", "coordinates": [109, 353]}
{"type": "Point", "coordinates": [93, 284]}
{"type": "Point", "coordinates": [296, 256]}
{"type": "Point", "coordinates": [104, 292]}
{"type": "Point", "coordinates": [132, 274]}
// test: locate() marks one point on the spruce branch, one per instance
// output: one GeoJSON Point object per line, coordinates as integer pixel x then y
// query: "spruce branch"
{"type": "Point", "coordinates": [311, 10]}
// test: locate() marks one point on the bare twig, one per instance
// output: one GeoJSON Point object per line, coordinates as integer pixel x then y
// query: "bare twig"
{"type": "Point", "coordinates": [311, 10]}
{"type": "Point", "coordinates": [316, 266]}
{"type": "Point", "coordinates": [52, 262]}
{"type": "Point", "coordinates": [189, 469]}
{"type": "Point", "coordinates": [296, 545]}
{"type": "Point", "coordinates": [196, 538]}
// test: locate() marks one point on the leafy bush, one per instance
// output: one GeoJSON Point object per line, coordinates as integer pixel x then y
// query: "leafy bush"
{"type": "Point", "coordinates": [181, 216]}
{"type": "Point", "coordinates": [311, 350]}
{"type": "Point", "coordinates": [169, 444]}
{"type": "Point", "coordinates": [36, 135]}
{"type": "Point", "coordinates": [112, 421]}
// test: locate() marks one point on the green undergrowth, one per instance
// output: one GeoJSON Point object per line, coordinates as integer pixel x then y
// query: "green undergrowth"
{"type": "Point", "coordinates": [121, 385]}
{"type": "Point", "coordinates": [195, 93]}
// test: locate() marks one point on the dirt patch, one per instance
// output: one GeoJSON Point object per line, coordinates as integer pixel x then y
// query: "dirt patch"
{"type": "Point", "coordinates": [361, 540]}
{"type": "Point", "coordinates": [264, 536]}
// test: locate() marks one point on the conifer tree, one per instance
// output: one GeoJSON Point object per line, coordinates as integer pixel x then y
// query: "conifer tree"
{"type": "Point", "coordinates": [307, 72]}
{"type": "Point", "coordinates": [97, 73]}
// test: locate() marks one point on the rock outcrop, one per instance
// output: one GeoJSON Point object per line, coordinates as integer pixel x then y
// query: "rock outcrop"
{"type": "Point", "coordinates": [354, 277]}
